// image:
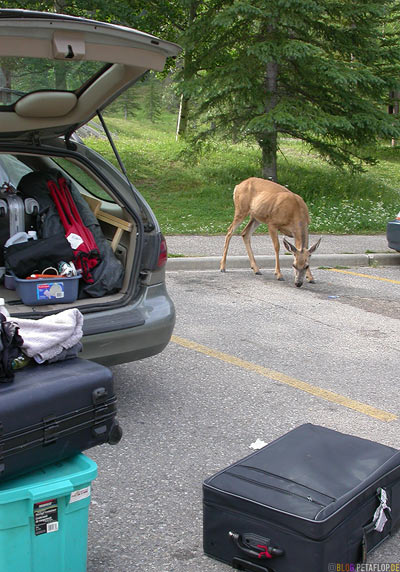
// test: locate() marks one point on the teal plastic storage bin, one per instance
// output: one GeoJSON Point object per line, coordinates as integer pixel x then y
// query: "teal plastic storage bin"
{"type": "Point", "coordinates": [44, 518]}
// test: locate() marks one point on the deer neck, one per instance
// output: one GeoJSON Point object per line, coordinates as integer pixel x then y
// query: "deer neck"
{"type": "Point", "coordinates": [301, 237]}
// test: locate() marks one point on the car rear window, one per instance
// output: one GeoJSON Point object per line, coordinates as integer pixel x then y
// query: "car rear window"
{"type": "Point", "coordinates": [11, 170]}
{"type": "Point", "coordinates": [19, 76]}
{"type": "Point", "coordinates": [82, 179]}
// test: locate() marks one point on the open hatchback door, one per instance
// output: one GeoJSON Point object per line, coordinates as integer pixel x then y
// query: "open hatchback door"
{"type": "Point", "coordinates": [56, 73]}
{"type": "Point", "coordinates": [56, 70]}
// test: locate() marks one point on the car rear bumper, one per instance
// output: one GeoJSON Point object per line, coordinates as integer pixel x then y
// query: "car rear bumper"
{"type": "Point", "coordinates": [134, 332]}
{"type": "Point", "coordinates": [393, 234]}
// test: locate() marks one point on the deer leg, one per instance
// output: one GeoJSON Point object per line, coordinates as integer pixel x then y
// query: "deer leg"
{"type": "Point", "coordinates": [233, 226]}
{"type": "Point", "coordinates": [273, 232]}
{"type": "Point", "coordinates": [246, 235]}
{"type": "Point", "coordinates": [309, 276]}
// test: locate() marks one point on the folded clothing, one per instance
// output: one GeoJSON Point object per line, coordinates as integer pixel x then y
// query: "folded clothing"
{"type": "Point", "coordinates": [46, 338]}
{"type": "Point", "coordinates": [69, 353]}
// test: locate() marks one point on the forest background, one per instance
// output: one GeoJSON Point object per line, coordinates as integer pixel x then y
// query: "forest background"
{"type": "Point", "coordinates": [304, 92]}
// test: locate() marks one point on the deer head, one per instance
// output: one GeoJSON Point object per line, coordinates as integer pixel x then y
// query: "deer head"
{"type": "Point", "coordinates": [301, 261]}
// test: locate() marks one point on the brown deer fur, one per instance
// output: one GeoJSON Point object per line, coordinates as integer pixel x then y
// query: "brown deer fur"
{"type": "Point", "coordinates": [269, 203]}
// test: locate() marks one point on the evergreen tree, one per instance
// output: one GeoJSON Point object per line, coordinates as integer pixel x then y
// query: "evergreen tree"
{"type": "Point", "coordinates": [315, 70]}
{"type": "Point", "coordinates": [188, 23]}
{"type": "Point", "coordinates": [153, 97]}
{"type": "Point", "coordinates": [127, 103]}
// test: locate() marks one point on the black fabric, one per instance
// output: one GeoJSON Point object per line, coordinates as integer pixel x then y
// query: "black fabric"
{"type": "Point", "coordinates": [34, 256]}
{"type": "Point", "coordinates": [109, 273]}
{"type": "Point", "coordinates": [11, 343]}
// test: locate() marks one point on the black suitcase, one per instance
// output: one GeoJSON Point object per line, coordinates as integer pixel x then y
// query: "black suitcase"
{"type": "Point", "coordinates": [50, 412]}
{"type": "Point", "coordinates": [304, 503]}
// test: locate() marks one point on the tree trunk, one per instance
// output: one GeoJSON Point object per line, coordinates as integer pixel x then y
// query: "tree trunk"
{"type": "Point", "coordinates": [183, 117]}
{"type": "Point", "coordinates": [60, 5]}
{"type": "Point", "coordinates": [5, 76]}
{"type": "Point", "coordinates": [188, 72]}
{"type": "Point", "coordinates": [269, 150]}
{"type": "Point", "coordinates": [268, 140]}
{"type": "Point", "coordinates": [178, 123]}
{"type": "Point", "coordinates": [394, 108]}
{"type": "Point", "coordinates": [60, 73]}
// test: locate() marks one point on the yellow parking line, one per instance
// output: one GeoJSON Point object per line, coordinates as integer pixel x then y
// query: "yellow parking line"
{"type": "Point", "coordinates": [363, 275]}
{"type": "Point", "coordinates": [287, 380]}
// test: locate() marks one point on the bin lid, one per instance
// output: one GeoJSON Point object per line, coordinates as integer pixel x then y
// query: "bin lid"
{"type": "Point", "coordinates": [56, 479]}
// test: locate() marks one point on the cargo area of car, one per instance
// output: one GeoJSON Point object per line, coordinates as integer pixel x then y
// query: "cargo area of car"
{"type": "Point", "coordinates": [117, 227]}
{"type": "Point", "coordinates": [57, 74]}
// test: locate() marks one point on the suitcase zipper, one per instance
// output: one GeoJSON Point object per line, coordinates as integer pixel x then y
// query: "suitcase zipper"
{"type": "Point", "coordinates": [272, 487]}
{"type": "Point", "coordinates": [330, 498]}
{"type": "Point", "coordinates": [238, 513]}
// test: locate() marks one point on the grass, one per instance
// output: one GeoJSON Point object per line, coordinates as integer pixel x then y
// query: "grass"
{"type": "Point", "coordinates": [192, 196]}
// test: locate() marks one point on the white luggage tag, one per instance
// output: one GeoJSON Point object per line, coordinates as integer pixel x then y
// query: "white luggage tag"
{"type": "Point", "coordinates": [380, 518]}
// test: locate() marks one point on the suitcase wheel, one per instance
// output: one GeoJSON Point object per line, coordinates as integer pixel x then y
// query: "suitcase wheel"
{"type": "Point", "coordinates": [240, 564]}
{"type": "Point", "coordinates": [115, 434]}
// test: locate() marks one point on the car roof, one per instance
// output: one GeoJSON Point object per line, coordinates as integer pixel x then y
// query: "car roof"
{"type": "Point", "coordinates": [96, 61]}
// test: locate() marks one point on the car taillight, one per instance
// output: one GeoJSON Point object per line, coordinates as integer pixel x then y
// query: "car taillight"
{"type": "Point", "coordinates": [163, 254]}
{"type": "Point", "coordinates": [398, 217]}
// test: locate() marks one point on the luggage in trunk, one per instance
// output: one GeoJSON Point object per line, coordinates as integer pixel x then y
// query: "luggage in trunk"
{"type": "Point", "coordinates": [312, 498]}
{"type": "Point", "coordinates": [19, 216]}
{"type": "Point", "coordinates": [50, 412]}
{"type": "Point", "coordinates": [108, 273]}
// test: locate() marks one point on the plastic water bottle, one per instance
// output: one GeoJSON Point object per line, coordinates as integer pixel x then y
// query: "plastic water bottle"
{"type": "Point", "coordinates": [3, 309]}
{"type": "Point", "coordinates": [21, 361]}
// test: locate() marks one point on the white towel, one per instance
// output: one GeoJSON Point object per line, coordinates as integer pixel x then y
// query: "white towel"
{"type": "Point", "coordinates": [46, 338]}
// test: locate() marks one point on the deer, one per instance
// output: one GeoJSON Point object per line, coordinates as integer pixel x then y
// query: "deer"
{"type": "Point", "coordinates": [282, 210]}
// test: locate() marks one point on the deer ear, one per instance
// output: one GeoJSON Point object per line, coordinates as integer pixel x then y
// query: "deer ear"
{"type": "Point", "coordinates": [314, 247]}
{"type": "Point", "coordinates": [290, 247]}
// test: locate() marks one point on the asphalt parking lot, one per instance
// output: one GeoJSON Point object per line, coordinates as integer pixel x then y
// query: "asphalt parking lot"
{"type": "Point", "coordinates": [250, 358]}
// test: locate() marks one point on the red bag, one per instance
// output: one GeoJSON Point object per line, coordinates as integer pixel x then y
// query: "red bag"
{"type": "Point", "coordinates": [86, 252]}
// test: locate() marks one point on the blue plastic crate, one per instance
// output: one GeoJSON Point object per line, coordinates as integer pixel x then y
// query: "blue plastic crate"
{"type": "Point", "coordinates": [44, 518]}
{"type": "Point", "coordinates": [57, 290]}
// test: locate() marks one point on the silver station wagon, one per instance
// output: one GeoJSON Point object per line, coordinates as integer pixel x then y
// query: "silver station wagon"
{"type": "Point", "coordinates": [56, 73]}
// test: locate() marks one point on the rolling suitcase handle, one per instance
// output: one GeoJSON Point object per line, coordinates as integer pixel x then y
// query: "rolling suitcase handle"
{"type": "Point", "coordinates": [265, 550]}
